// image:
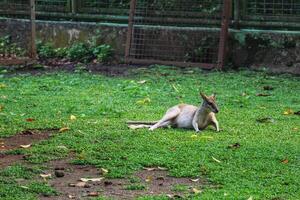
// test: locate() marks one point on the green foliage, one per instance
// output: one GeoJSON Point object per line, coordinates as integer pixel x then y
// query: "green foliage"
{"type": "Point", "coordinates": [83, 52]}
{"type": "Point", "coordinates": [45, 50]}
{"type": "Point", "coordinates": [9, 48]}
{"type": "Point", "coordinates": [79, 52]}
{"type": "Point", "coordinates": [103, 52]}
{"type": "Point", "coordinates": [42, 189]}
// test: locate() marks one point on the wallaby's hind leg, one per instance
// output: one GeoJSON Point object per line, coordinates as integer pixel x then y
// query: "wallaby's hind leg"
{"type": "Point", "coordinates": [167, 118]}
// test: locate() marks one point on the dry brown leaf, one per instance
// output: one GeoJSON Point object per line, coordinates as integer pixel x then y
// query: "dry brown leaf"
{"type": "Point", "coordinates": [25, 146]}
{"type": "Point", "coordinates": [218, 161]}
{"type": "Point", "coordinates": [72, 117]}
{"type": "Point", "coordinates": [285, 161]}
{"type": "Point", "coordinates": [30, 120]}
{"type": "Point", "coordinates": [2, 85]}
{"type": "Point", "coordinates": [93, 194]}
{"type": "Point", "coordinates": [80, 184]}
{"type": "Point", "coordinates": [91, 179]}
{"type": "Point", "coordinates": [149, 179]}
{"type": "Point", "coordinates": [64, 129]}
{"type": "Point", "coordinates": [103, 171]}
{"type": "Point", "coordinates": [162, 168]}
{"type": "Point", "coordinates": [45, 176]}
{"type": "Point", "coordinates": [288, 112]}
{"type": "Point", "coordinates": [149, 169]}
{"type": "Point", "coordinates": [196, 191]}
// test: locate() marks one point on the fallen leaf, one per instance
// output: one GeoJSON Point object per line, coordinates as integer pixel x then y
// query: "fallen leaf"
{"type": "Point", "coordinates": [194, 136]}
{"type": "Point", "coordinates": [266, 120]}
{"type": "Point", "coordinates": [149, 169]}
{"type": "Point", "coordinates": [285, 161]}
{"type": "Point", "coordinates": [234, 146]}
{"type": "Point", "coordinates": [250, 198]}
{"type": "Point", "coordinates": [244, 94]}
{"type": "Point", "coordinates": [263, 95]}
{"type": "Point", "coordinates": [142, 81]}
{"type": "Point", "coordinates": [1, 108]}
{"type": "Point", "coordinates": [64, 129]}
{"type": "Point", "coordinates": [295, 129]}
{"type": "Point", "coordinates": [162, 168]}
{"type": "Point", "coordinates": [45, 176]}
{"type": "Point", "coordinates": [195, 180]}
{"type": "Point", "coordinates": [72, 117]}
{"type": "Point", "coordinates": [267, 87]}
{"type": "Point", "coordinates": [144, 101]}
{"type": "Point", "coordinates": [93, 194]}
{"type": "Point", "coordinates": [2, 85]}
{"type": "Point", "coordinates": [24, 187]}
{"type": "Point", "coordinates": [196, 191]}
{"type": "Point", "coordinates": [79, 184]}
{"type": "Point", "coordinates": [103, 171]}
{"type": "Point", "coordinates": [30, 119]}
{"type": "Point", "coordinates": [288, 112]}
{"type": "Point", "coordinates": [91, 179]}
{"type": "Point", "coordinates": [218, 161]}
{"type": "Point", "coordinates": [25, 146]}
{"type": "Point", "coordinates": [149, 179]}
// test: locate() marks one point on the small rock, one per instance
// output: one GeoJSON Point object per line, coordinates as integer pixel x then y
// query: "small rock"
{"type": "Point", "coordinates": [59, 174]}
{"type": "Point", "coordinates": [71, 196]}
{"type": "Point", "coordinates": [161, 178]}
{"type": "Point", "coordinates": [107, 183]}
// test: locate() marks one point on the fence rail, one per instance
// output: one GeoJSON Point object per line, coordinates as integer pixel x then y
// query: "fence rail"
{"type": "Point", "coordinates": [245, 13]}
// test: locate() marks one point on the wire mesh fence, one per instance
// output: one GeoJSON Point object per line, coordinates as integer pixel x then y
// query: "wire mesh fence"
{"type": "Point", "coordinates": [272, 10]}
{"type": "Point", "coordinates": [116, 7]}
{"type": "Point", "coordinates": [19, 45]}
{"type": "Point", "coordinates": [53, 5]}
{"type": "Point", "coordinates": [172, 32]}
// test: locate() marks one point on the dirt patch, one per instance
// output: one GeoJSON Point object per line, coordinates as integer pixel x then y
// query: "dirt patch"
{"type": "Point", "coordinates": [25, 138]}
{"type": "Point", "coordinates": [145, 182]}
{"type": "Point", "coordinates": [54, 65]}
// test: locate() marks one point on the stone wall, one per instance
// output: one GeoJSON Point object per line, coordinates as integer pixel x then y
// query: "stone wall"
{"type": "Point", "coordinates": [278, 51]}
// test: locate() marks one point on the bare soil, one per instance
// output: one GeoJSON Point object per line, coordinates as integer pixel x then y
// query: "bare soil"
{"type": "Point", "coordinates": [156, 182]}
{"type": "Point", "coordinates": [27, 137]}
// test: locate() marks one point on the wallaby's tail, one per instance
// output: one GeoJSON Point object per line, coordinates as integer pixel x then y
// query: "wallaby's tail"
{"type": "Point", "coordinates": [141, 122]}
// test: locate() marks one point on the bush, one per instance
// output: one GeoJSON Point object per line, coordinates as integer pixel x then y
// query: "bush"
{"type": "Point", "coordinates": [79, 52]}
{"type": "Point", "coordinates": [103, 52]}
{"type": "Point", "coordinates": [46, 50]}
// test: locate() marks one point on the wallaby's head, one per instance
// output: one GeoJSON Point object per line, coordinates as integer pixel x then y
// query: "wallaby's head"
{"type": "Point", "coordinates": [209, 102]}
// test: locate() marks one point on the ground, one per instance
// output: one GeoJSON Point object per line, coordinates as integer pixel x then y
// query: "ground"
{"type": "Point", "coordinates": [76, 125]}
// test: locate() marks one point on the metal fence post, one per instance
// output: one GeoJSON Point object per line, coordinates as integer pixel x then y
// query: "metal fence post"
{"type": "Point", "coordinates": [130, 29]}
{"type": "Point", "coordinates": [237, 7]}
{"type": "Point", "coordinates": [33, 53]}
{"type": "Point", "coordinates": [74, 6]}
{"type": "Point", "coordinates": [224, 33]}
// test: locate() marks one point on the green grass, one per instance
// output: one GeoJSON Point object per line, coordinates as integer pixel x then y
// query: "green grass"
{"type": "Point", "coordinates": [99, 136]}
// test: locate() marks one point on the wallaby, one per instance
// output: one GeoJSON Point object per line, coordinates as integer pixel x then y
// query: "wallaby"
{"type": "Point", "coordinates": [191, 117]}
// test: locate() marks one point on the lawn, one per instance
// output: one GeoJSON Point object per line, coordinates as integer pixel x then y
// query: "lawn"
{"type": "Point", "coordinates": [265, 164]}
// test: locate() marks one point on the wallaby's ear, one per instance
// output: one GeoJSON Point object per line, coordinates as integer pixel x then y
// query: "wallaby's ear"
{"type": "Point", "coordinates": [204, 97]}
{"type": "Point", "coordinates": [214, 95]}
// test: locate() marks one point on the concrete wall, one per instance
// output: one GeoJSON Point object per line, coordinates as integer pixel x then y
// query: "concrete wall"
{"type": "Point", "coordinates": [279, 51]}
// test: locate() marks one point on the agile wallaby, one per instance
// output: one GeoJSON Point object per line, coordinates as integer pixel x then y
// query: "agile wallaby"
{"type": "Point", "coordinates": [192, 117]}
